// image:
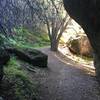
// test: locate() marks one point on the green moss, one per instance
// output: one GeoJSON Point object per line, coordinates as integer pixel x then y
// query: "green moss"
{"type": "Point", "coordinates": [23, 87]}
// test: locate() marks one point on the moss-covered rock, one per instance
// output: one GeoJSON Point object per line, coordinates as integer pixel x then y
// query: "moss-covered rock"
{"type": "Point", "coordinates": [32, 56]}
{"type": "Point", "coordinates": [17, 84]}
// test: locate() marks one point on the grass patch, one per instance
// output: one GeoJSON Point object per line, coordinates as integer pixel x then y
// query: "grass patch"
{"type": "Point", "coordinates": [21, 87]}
{"type": "Point", "coordinates": [25, 39]}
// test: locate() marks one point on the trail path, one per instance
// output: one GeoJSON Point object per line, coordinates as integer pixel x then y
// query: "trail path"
{"type": "Point", "coordinates": [65, 81]}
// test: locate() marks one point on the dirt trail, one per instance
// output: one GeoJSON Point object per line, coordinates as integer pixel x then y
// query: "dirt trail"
{"type": "Point", "coordinates": [62, 81]}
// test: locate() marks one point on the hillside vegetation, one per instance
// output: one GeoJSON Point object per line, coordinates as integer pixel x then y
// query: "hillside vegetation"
{"type": "Point", "coordinates": [17, 84]}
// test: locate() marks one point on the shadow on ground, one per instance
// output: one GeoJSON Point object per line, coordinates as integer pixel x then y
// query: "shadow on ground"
{"type": "Point", "coordinates": [65, 81]}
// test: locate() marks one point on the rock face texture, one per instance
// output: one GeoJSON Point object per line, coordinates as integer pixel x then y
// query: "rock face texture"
{"type": "Point", "coordinates": [81, 46]}
{"type": "Point", "coordinates": [33, 57]}
{"type": "Point", "coordinates": [87, 14]}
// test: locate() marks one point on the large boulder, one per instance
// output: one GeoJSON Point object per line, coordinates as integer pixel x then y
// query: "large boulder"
{"type": "Point", "coordinates": [32, 56]}
{"type": "Point", "coordinates": [87, 14]}
{"type": "Point", "coordinates": [81, 46]}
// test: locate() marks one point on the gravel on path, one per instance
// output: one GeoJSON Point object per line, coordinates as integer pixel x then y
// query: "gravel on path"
{"type": "Point", "coordinates": [64, 81]}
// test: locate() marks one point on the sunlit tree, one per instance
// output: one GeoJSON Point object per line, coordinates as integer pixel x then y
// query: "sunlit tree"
{"type": "Point", "coordinates": [56, 19]}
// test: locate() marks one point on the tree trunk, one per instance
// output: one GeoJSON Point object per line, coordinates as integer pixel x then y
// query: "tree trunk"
{"type": "Point", "coordinates": [54, 45]}
{"type": "Point", "coordinates": [87, 14]}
